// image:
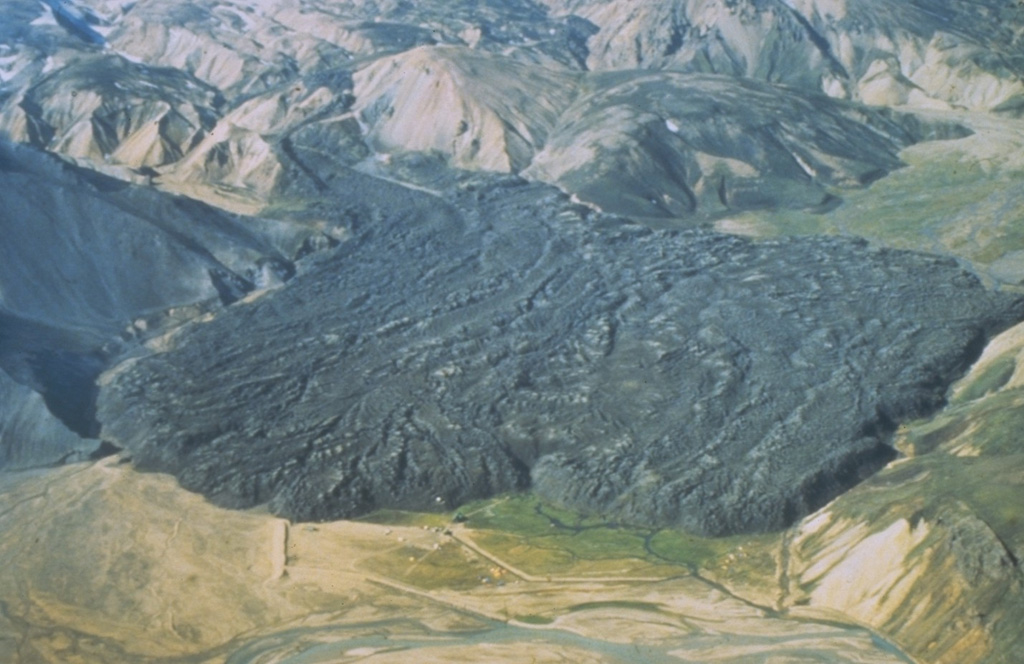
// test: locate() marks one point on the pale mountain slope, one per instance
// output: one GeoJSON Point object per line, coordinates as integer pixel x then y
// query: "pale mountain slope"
{"type": "Point", "coordinates": [108, 110]}
{"type": "Point", "coordinates": [233, 46]}
{"type": "Point", "coordinates": [753, 39]}
{"type": "Point", "coordinates": [485, 112]}
{"type": "Point", "coordinates": [522, 29]}
{"type": "Point", "coordinates": [246, 47]}
{"type": "Point", "coordinates": [934, 53]}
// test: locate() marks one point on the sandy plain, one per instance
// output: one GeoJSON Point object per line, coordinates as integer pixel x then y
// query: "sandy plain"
{"type": "Point", "coordinates": [105, 564]}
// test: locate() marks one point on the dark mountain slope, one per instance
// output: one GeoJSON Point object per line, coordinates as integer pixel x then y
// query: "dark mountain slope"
{"type": "Point", "coordinates": [88, 263]}
{"type": "Point", "coordinates": [687, 145]}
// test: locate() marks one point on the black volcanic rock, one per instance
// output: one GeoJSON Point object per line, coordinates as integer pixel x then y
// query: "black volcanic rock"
{"type": "Point", "coordinates": [87, 264]}
{"type": "Point", "coordinates": [462, 346]}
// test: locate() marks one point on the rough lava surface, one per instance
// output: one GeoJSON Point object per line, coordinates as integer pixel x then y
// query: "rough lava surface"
{"type": "Point", "coordinates": [500, 336]}
{"type": "Point", "coordinates": [468, 342]}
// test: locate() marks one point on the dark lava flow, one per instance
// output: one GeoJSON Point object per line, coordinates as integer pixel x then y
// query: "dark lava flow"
{"type": "Point", "coordinates": [501, 337]}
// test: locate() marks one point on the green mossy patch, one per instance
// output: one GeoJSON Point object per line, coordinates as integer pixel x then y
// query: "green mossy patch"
{"type": "Point", "coordinates": [543, 539]}
{"type": "Point", "coordinates": [534, 619]}
{"type": "Point", "coordinates": [995, 376]}
{"type": "Point", "coordinates": [615, 604]}
{"type": "Point", "coordinates": [403, 518]}
{"type": "Point", "coordinates": [430, 569]}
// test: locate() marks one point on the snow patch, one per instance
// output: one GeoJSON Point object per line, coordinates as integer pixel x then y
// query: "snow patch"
{"type": "Point", "coordinates": [46, 18]}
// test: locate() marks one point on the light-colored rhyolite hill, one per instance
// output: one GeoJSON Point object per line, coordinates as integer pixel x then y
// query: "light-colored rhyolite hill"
{"type": "Point", "coordinates": [938, 53]}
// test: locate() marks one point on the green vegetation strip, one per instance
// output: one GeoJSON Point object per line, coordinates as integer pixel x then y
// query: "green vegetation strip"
{"type": "Point", "coordinates": [946, 202]}
{"type": "Point", "coordinates": [544, 539]}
